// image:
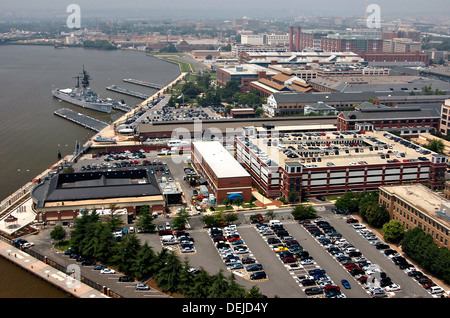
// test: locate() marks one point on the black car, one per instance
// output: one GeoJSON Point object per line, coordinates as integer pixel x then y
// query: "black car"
{"type": "Point", "coordinates": [19, 242]}
{"type": "Point", "coordinates": [258, 275]}
{"type": "Point", "coordinates": [273, 240]}
{"type": "Point", "coordinates": [126, 279]}
{"type": "Point", "coordinates": [88, 262]}
{"type": "Point", "coordinates": [308, 282]}
{"type": "Point", "coordinates": [313, 291]}
{"type": "Point", "coordinates": [254, 268]}
{"type": "Point", "coordinates": [248, 260]}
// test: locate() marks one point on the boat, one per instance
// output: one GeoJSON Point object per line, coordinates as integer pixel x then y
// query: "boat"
{"type": "Point", "coordinates": [104, 139]}
{"type": "Point", "coordinates": [83, 96]}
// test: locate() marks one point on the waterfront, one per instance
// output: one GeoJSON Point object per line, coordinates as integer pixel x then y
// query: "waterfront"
{"type": "Point", "coordinates": [32, 135]}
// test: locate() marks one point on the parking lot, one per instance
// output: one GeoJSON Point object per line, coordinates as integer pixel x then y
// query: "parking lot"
{"type": "Point", "coordinates": [320, 259]}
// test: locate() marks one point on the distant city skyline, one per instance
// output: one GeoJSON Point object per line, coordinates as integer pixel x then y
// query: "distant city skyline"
{"type": "Point", "coordinates": [204, 9]}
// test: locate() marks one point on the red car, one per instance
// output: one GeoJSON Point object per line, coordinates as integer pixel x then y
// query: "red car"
{"type": "Point", "coordinates": [289, 259]}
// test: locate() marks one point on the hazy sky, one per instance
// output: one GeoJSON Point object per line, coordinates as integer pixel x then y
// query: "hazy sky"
{"type": "Point", "coordinates": [226, 8]}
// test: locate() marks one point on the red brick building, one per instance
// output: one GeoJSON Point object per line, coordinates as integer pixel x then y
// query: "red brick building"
{"type": "Point", "coordinates": [224, 175]}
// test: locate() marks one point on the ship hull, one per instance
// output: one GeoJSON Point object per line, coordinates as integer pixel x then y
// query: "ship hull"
{"type": "Point", "coordinates": [100, 107]}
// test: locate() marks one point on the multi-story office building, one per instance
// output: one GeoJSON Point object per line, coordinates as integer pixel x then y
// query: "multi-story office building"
{"type": "Point", "coordinates": [331, 163]}
{"type": "Point", "coordinates": [243, 75]}
{"type": "Point", "coordinates": [445, 117]}
{"type": "Point", "coordinates": [416, 205]}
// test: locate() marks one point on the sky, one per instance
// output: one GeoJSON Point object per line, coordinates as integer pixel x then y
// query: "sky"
{"type": "Point", "coordinates": [225, 8]}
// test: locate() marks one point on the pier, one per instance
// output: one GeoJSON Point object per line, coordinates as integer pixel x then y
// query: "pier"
{"type": "Point", "coordinates": [81, 119]}
{"type": "Point", "coordinates": [122, 108]}
{"type": "Point", "coordinates": [143, 83]}
{"type": "Point", "coordinates": [124, 91]}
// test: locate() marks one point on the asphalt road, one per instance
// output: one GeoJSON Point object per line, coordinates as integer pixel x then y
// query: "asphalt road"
{"type": "Point", "coordinates": [281, 282]}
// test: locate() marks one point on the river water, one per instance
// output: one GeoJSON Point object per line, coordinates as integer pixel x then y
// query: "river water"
{"type": "Point", "coordinates": [31, 135]}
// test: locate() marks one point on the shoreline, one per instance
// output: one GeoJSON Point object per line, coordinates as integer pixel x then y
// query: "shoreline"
{"type": "Point", "coordinates": [48, 273]}
{"type": "Point", "coordinates": [18, 198]}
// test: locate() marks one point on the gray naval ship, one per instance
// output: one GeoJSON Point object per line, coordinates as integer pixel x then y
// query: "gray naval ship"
{"type": "Point", "coordinates": [83, 96]}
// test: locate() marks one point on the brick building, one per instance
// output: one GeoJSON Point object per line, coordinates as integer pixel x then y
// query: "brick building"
{"type": "Point", "coordinates": [224, 175]}
{"type": "Point", "coordinates": [416, 206]}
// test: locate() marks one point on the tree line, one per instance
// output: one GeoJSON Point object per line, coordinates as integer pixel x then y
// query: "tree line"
{"type": "Point", "coordinates": [93, 238]}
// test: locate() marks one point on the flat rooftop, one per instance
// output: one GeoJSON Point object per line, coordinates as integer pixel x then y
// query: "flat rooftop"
{"type": "Point", "coordinates": [338, 149]}
{"type": "Point", "coordinates": [422, 198]}
{"type": "Point", "coordinates": [219, 159]}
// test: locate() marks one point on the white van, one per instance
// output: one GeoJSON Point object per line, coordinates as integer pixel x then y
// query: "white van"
{"type": "Point", "coordinates": [168, 240]}
{"type": "Point", "coordinates": [274, 222]}
{"type": "Point", "coordinates": [436, 290]}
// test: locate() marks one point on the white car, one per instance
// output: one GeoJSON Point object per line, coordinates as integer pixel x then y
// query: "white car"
{"type": "Point", "coordinates": [358, 226]}
{"type": "Point", "coordinates": [27, 245]}
{"type": "Point", "coordinates": [307, 262]}
{"type": "Point", "coordinates": [393, 287]}
{"type": "Point", "coordinates": [107, 271]}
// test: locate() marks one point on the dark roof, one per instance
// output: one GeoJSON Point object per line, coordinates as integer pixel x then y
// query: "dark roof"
{"type": "Point", "coordinates": [96, 185]}
{"type": "Point", "coordinates": [332, 97]}
{"type": "Point", "coordinates": [393, 113]}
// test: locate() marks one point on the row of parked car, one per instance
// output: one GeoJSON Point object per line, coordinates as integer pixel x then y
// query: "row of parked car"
{"type": "Point", "coordinates": [235, 253]}
{"type": "Point", "coordinates": [400, 261]}
{"type": "Point", "coordinates": [103, 269]}
{"type": "Point", "coordinates": [298, 260]}
{"type": "Point", "coordinates": [367, 274]}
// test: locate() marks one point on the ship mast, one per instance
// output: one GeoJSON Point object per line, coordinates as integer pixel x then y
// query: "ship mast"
{"type": "Point", "coordinates": [86, 79]}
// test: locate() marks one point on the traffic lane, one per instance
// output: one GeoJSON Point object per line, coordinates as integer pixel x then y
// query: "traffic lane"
{"type": "Point", "coordinates": [280, 283]}
{"type": "Point", "coordinates": [410, 288]}
{"type": "Point", "coordinates": [206, 255]}
{"type": "Point", "coordinates": [324, 260]}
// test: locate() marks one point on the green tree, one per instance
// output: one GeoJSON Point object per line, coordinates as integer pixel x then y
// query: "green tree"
{"type": "Point", "coordinates": [145, 219]}
{"type": "Point", "coordinates": [219, 286]}
{"type": "Point", "coordinates": [200, 288]}
{"type": "Point", "coordinates": [293, 196]}
{"type": "Point", "coordinates": [229, 218]}
{"type": "Point", "coordinates": [377, 216]}
{"type": "Point", "coordinates": [301, 212]}
{"type": "Point", "coordinates": [436, 145]}
{"type": "Point", "coordinates": [182, 218]}
{"type": "Point", "coordinates": [144, 267]}
{"type": "Point", "coordinates": [349, 201]}
{"type": "Point", "coordinates": [58, 233]}
{"type": "Point", "coordinates": [393, 231]}
{"type": "Point", "coordinates": [126, 257]}
{"type": "Point", "coordinates": [226, 202]}
{"type": "Point", "coordinates": [254, 292]}
{"type": "Point", "coordinates": [168, 274]}
{"type": "Point", "coordinates": [80, 229]}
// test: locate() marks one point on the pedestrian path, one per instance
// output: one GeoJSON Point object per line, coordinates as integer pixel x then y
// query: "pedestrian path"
{"type": "Point", "coordinates": [66, 282]}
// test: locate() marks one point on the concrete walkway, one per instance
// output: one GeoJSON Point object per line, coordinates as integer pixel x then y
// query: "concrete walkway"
{"type": "Point", "coordinates": [48, 273]}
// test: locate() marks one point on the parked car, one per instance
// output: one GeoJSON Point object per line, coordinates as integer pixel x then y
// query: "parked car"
{"type": "Point", "coordinates": [88, 262]}
{"type": "Point", "coordinates": [313, 291]}
{"type": "Point", "coordinates": [141, 286]}
{"type": "Point", "coordinates": [254, 268]}
{"type": "Point", "coordinates": [107, 271]}
{"type": "Point", "coordinates": [248, 260]}
{"type": "Point", "coordinates": [126, 279]}
{"type": "Point", "coordinates": [258, 275]}
{"type": "Point", "coordinates": [236, 266]}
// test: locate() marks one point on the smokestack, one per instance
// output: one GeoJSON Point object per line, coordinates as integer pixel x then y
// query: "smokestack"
{"type": "Point", "coordinates": [291, 39]}
{"type": "Point", "coordinates": [297, 40]}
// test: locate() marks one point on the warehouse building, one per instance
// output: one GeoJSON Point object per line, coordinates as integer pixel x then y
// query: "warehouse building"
{"type": "Point", "coordinates": [63, 196]}
{"type": "Point", "coordinates": [225, 177]}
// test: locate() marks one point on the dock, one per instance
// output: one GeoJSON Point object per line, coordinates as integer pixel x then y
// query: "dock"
{"type": "Point", "coordinates": [81, 119]}
{"type": "Point", "coordinates": [120, 90]}
{"type": "Point", "coordinates": [143, 83]}
{"type": "Point", "coordinates": [122, 108]}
